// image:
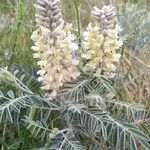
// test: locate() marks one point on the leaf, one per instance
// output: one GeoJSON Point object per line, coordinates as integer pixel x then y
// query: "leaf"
{"type": "Point", "coordinates": [65, 140]}
{"type": "Point", "coordinates": [133, 145]}
{"type": "Point", "coordinates": [70, 143]}
{"type": "Point", "coordinates": [122, 140]}
{"type": "Point", "coordinates": [129, 129]}
{"type": "Point", "coordinates": [38, 129]}
{"type": "Point", "coordinates": [139, 134]}
{"type": "Point", "coordinates": [11, 94]}
{"type": "Point", "coordinates": [1, 94]}
{"type": "Point", "coordinates": [109, 129]}
{"type": "Point", "coordinates": [108, 85]}
{"type": "Point", "coordinates": [145, 144]}
{"type": "Point", "coordinates": [114, 137]}
{"type": "Point", "coordinates": [104, 131]}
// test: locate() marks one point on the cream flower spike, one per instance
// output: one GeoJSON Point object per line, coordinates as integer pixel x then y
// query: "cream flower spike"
{"type": "Point", "coordinates": [54, 47]}
{"type": "Point", "coordinates": [105, 18]}
{"type": "Point", "coordinates": [102, 41]}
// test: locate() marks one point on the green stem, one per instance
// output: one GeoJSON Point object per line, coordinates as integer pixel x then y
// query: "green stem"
{"type": "Point", "coordinates": [79, 24]}
{"type": "Point", "coordinates": [77, 4]}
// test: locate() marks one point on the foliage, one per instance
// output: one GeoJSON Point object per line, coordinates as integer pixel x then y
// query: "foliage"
{"type": "Point", "coordinates": [79, 117]}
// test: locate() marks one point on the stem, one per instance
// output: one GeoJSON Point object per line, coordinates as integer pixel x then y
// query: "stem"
{"type": "Point", "coordinates": [77, 5]}
{"type": "Point", "coordinates": [79, 24]}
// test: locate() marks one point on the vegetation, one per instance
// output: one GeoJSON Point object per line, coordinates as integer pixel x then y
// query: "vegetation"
{"type": "Point", "coordinates": [90, 112]}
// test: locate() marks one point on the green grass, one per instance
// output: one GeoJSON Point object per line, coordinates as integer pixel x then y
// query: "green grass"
{"type": "Point", "coordinates": [15, 47]}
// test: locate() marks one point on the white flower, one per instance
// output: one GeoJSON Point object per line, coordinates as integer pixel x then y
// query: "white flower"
{"type": "Point", "coordinates": [102, 42]}
{"type": "Point", "coordinates": [54, 47]}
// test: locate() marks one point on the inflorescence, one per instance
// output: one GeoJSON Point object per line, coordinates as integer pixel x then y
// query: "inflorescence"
{"type": "Point", "coordinates": [56, 48]}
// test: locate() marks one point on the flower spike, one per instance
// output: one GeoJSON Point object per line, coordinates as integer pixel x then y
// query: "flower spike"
{"type": "Point", "coordinates": [101, 40]}
{"type": "Point", "coordinates": [54, 47]}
